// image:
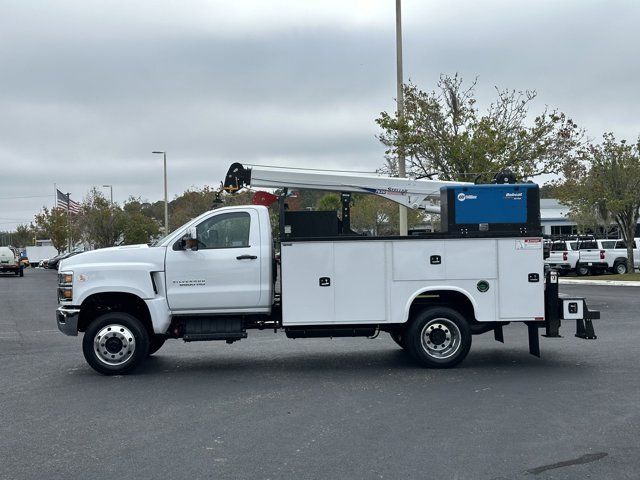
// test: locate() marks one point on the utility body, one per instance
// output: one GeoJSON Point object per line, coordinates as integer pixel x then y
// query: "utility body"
{"type": "Point", "coordinates": [218, 276]}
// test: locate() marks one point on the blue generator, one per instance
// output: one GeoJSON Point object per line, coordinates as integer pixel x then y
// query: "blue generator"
{"type": "Point", "coordinates": [493, 208]}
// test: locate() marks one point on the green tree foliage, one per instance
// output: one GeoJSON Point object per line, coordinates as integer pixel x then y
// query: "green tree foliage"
{"type": "Point", "coordinates": [101, 222]}
{"type": "Point", "coordinates": [443, 135]}
{"type": "Point", "coordinates": [329, 202]}
{"type": "Point", "coordinates": [605, 183]}
{"type": "Point", "coordinates": [23, 236]}
{"type": "Point", "coordinates": [53, 224]}
{"type": "Point", "coordinates": [138, 224]}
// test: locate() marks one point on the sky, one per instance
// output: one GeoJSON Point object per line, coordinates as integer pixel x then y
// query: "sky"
{"type": "Point", "coordinates": [89, 88]}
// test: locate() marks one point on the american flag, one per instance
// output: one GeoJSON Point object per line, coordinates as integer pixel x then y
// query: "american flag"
{"type": "Point", "coordinates": [64, 202]}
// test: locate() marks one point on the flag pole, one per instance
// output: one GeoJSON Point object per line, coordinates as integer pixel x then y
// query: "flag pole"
{"type": "Point", "coordinates": [68, 224]}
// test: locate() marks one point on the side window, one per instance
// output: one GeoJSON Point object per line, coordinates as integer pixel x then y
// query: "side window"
{"type": "Point", "coordinates": [608, 243]}
{"type": "Point", "coordinates": [559, 247]}
{"type": "Point", "coordinates": [620, 244]}
{"type": "Point", "coordinates": [574, 245]}
{"type": "Point", "coordinates": [228, 230]}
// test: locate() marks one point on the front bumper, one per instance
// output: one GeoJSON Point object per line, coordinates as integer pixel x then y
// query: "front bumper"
{"type": "Point", "coordinates": [67, 320]}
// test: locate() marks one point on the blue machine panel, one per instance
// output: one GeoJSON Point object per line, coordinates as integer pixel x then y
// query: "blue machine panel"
{"type": "Point", "coordinates": [491, 208]}
{"type": "Point", "coordinates": [491, 204]}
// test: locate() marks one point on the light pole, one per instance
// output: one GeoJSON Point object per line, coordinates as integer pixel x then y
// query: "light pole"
{"type": "Point", "coordinates": [166, 203]}
{"type": "Point", "coordinates": [110, 190]}
{"type": "Point", "coordinates": [400, 100]}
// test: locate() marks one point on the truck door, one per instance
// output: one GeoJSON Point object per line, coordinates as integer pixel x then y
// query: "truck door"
{"type": "Point", "coordinates": [224, 273]}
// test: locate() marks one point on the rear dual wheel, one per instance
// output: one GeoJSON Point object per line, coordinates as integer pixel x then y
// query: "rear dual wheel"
{"type": "Point", "coordinates": [438, 337]}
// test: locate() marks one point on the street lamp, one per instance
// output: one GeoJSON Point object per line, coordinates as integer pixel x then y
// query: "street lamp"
{"type": "Point", "coordinates": [400, 101]}
{"type": "Point", "coordinates": [110, 190]}
{"type": "Point", "coordinates": [166, 204]}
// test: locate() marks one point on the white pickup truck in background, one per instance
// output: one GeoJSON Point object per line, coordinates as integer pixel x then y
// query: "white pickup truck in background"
{"type": "Point", "coordinates": [615, 254]}
{"type": "Point", "coordinates": [563, 256]}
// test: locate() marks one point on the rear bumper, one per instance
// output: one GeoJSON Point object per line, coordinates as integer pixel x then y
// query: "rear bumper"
{"type": "Point", "coordinates": [560, 266]}
{"type": "Point", "coordinates": [67, 320]}
{"type": "Point", "coordinates": [595, 264]}
{"type": "Point", "coordinates": [9, 268]}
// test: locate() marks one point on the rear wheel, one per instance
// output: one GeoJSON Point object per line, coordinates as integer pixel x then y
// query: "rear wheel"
{"type": "Point", "coordinates": [438, 337]}
{"type": "Point", "coordinates": [115, 343]}
{"type": "Point", "coordinates": [582, 270]}
{"type": "Point", "coordinates": [620, 268]}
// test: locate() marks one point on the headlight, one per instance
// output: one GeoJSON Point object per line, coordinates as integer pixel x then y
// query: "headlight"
{"type": "Point", "coordinates": [65, 286]}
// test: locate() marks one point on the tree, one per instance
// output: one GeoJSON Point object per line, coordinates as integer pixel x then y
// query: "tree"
{"type": "Point", "coordinates": [101, 222]}
{"type": "Point", "coordinates": [329, 202]}
{"type": "Point", "coordinates": [606, 183]}
{"type": "Point", "coordinates": [138, 227]}
{"type": "Point", "coordinates": [443, 135]}
{"type": "Point", "coordinates": [53, 224]}
{"type": "Point", "coordinates": [23, 236]}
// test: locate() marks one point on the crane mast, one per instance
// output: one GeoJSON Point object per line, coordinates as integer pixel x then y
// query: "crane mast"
{"type": "Point", "coordinates": [414, 194]}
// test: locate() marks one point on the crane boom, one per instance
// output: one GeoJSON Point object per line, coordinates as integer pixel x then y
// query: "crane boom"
{"type": "Point", "coordinates": [405, 191]}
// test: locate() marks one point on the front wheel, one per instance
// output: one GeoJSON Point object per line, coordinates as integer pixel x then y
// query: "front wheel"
{"type": "Point", "coordinates": [438, 337]}
{"type": "Point", "coordinates": [115, 343]}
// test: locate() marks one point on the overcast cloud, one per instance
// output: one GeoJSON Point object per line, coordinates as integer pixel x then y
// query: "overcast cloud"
{"type": "Point", "coordinates": [89, 88]}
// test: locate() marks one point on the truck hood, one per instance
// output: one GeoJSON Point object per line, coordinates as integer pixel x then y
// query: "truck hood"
{"type": "Point", "coordinates": [152, 257]}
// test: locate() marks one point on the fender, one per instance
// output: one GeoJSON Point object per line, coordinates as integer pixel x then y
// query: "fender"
{"type": "Point", "coordinates": [126, 278]}
{"type": "Point", "coordinates": [448, 288]}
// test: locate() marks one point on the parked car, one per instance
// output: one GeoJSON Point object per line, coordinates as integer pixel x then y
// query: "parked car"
{"type": "Point", "coordinates": [10, 262]}
{"type": "Point", "coordinates": [53, 263]}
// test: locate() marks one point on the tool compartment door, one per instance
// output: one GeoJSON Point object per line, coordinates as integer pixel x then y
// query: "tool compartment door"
{"type": "Point", "coordinates": [307, 283]}
{"type": "Point", "coordinates": [520, 279]}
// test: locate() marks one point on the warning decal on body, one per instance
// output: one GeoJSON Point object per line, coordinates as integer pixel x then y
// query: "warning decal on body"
{"type": "Point", "coordinates": [528, 244]}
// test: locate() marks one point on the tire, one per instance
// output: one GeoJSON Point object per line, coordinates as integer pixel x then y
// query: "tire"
{"type": "Point", "coordinates": [122, 355]}
{"type": "Point", "coordinates": [582, 270]}
{"type": "Point", "coordinates": [399, 338]}
{"type": "Point", "coordinates": [438, 337]}
{"type": "Point", "coordinates": [620, 268]}
{"type": "Point", "coordinates": [155, 343]}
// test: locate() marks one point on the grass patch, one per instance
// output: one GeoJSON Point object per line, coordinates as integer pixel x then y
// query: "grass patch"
{"type": "Point", "coordinates": [627, 277]}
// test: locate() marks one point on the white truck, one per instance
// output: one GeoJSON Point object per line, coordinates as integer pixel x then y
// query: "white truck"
{"type": "Point", "coordinates": [38, 253]}
{"type": "Point", "coordinates": [615, 255]}
{"type": "Point", "coordinates": [563, 256]}
{"type": "Point", "coordinates": [214, 278]}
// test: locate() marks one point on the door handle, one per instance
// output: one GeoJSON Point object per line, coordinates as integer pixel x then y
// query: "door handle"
{"type": "Point", "coordinates": [247, 257]}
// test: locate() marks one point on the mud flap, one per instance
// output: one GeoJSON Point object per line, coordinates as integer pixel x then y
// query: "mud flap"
{"type": "Point", "coordinates": [534, 339]}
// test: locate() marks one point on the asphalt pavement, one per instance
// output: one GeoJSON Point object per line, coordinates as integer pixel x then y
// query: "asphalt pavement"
{"type": "Point", "coordinates": [270, 408]}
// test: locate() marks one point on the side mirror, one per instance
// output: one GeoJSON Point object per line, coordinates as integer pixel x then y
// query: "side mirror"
{"type": "Point", "coordinates": [190, 239]}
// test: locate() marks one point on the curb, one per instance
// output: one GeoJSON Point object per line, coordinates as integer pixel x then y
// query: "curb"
{"type": "Point", "coordinates": [614, 283]}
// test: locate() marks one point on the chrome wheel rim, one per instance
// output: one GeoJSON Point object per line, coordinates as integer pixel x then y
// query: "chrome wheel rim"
{"type": "Point", "coordinates": [440, 338]}
{"type": "Point", "coordinates": [114, 345]}
{"type": "Point", "coordinates": [622, 268]}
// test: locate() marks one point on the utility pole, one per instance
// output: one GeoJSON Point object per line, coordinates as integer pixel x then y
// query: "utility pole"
{"type": "Point", "coordinates": [400, 104]}
{"type": "Point", "coordinates": [166, 202]}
